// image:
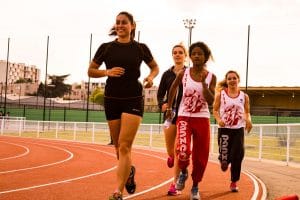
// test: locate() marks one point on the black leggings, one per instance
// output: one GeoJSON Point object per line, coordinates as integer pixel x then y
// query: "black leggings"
{"type": "Point", "coordinates": [231, 149]}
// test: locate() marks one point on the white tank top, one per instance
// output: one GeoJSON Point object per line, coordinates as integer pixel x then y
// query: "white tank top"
{"type": "Point", "coordinates": [193, 103]}
{"type": "Point", "coordinates": [232, 110]}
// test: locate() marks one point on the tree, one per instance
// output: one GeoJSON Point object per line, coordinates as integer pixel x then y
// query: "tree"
{"type": "Point", "coordinates": [40, 91]}
{"type": "Point", "coordinates": [24, 80]}
{"type": "Point", "coordinates": [97, 96]}
{"type": "Point", "coordinates": [56, 88]}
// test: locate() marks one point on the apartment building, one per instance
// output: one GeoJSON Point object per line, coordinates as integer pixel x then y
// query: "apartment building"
{"type": "Point", "coordinates": [79, 91]}
{"type": "Point", "coordinates": [151, 99]}
{"type": "Point", "coordinates": [18, 71]}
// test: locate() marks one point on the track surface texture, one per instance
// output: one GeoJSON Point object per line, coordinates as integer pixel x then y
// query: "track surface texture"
{"type": "Point", "coordinates": [40, 169]}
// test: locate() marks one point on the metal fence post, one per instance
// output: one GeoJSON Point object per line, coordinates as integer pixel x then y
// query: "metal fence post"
{"type": "Point", "coordinates": [93, 133]}
{"type": "Point", "coordinates": [2, 125]}
{"type": "Point", "coordinates": [151, 136]}
{"type": "Point", "coordinates": [38, 130]}
{"type": "Point", "coordinates": [212, 140]}
{"type": "Point", "coordinates": [74, 131]}
{"type": "Point", "coordinates": [20, 126]}
{"type": "Point", "coordinates": [56, 130]}
{"type": "Point", "coordinates": [260, 143]}
{"type": "Point", "coordinates": [288, 145]}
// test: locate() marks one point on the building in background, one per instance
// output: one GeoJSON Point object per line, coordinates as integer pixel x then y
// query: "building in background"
{"type": "Point", "coordinates": [151, 99]}
{"type": "Point", "coordinates": [17, 71]}
{"type": "Point", "coordinates": [270, 100]}
{"type": "Point", "coordinates": [22, 79]}
{"type": "Point", "coordinates": [79, 92]}
{"type": "Point", "coordinates": [263, 100]}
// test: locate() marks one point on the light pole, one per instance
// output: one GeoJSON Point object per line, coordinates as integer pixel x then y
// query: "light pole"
{"type": "Point", "coordinates": [37, 103]}
{"type": "Point", "coordinates": [189, 24]}
{"type": "Point", "coordinates": [46, 76]}
{"type": "Point", "coordinates": [50, 88]}
{"type": "Point", "coordinates": [6, 76]}
{"type": "Point", "coordinates": [88, 89]}
{"type": "Point", "coordinates": [19, 94]}
{"type": "Point", "coordinates": [247, 57]}
{"type": "Point", "coordinates": [70, 90]}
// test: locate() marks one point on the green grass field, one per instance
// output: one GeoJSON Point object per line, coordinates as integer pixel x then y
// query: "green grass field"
{"type": "Point", "coordinates": [99, 116]}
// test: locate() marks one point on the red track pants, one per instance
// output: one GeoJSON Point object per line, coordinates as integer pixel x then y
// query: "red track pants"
{"type": "Point", "coordinates": [199, 129]}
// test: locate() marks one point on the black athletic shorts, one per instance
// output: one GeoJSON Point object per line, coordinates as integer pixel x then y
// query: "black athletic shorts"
{"type": "Point", "coordinates": [114, 107]}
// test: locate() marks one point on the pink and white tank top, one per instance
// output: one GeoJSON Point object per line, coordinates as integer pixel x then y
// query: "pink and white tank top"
{"type": "Point", "coordinates": [193, 103]}
{"type": "Point", "coordinates": [232, 110]}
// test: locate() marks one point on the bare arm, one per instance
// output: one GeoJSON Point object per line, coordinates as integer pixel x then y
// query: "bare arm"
{"type": "Point", "coordinates": [247, 114]}
{"type": "Point", "coordinates": [209, 91]}
{"type": "Point", "coordinates": [216, 109]}
{"type": "Point", "coordinates": [172, 92]}
{"type": "Point", "coordinates": [154, 70]}
{"type": "Point", "coordinates": [95, 72]}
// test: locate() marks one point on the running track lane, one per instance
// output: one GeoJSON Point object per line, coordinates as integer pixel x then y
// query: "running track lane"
{"type": "Point", "coordinates": [87, 171]}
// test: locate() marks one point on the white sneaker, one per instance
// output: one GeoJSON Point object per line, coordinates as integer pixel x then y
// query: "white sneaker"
{"type": "Point", "coordinates": [195, 194]}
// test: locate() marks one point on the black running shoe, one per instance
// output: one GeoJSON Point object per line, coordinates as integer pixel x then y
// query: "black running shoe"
{"type": "Point", "coordinates": [130, 184]}
{"type": "Point", "coordinates": [224, 166]}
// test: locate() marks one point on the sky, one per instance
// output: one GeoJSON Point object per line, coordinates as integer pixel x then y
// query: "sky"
{"type": "Point", "coordinates": [77, 28]}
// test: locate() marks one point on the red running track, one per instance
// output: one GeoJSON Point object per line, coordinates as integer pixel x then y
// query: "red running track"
{"type": "Point", "coordinates": [38, 169]}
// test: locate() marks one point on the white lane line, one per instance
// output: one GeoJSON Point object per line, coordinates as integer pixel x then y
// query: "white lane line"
{"type": "Point", "coordinates": [262, 184]}
{"type": "Point", "coordinates": [67, 180]}
{"type": "Point", "coordinates": [264, 189]}
{"type": "Point", "coordinates": [16, 156]}
{"type": "Point", "coordinates": [150, 189]}
{"type": "Point", "coordinates": [253, 178]}
{"type": "Point", "coordinates": [94, 174]}
{"type": "Point", "coordinates": [151, 155]}
{"type": "Point", "coordinates": [71, 155]}
{"type": "Point", "coordinates": [93, 149]}
{"type": "Point", "coordinates": [256, 187]}
{"type": "Point", "coordinates": [58, 182]}
{"type": "Point", "coordinates": [155, 186]}
{"type": "Point", "coordinates": [108, 170]}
